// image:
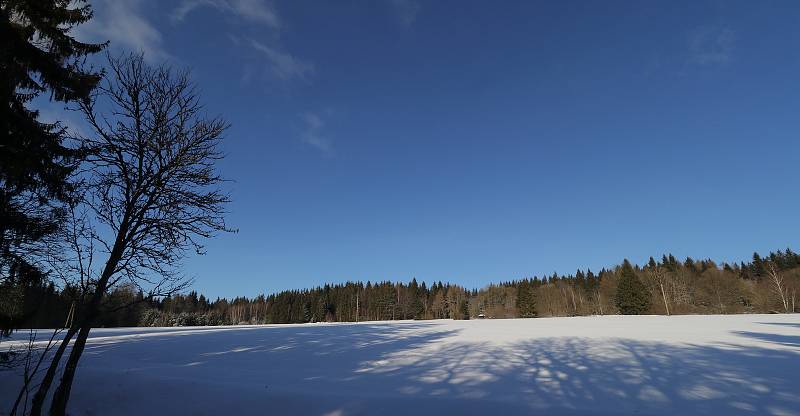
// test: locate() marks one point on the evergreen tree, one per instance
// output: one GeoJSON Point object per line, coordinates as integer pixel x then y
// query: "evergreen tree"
{"type": "Point", "coordinates": [632, 296]}
{"type": "Point", "coordinates": [38, 54]}
{"type": "Point", "coordinates": [651, 264]}
{"type": "Point", "coordinates": [690, 264]}
{"type": "Point", "coordinates": [526, 299]}
{"type": "Point", "coordinates": [416, 292]}
{"type": "Point", "coordinates": [758, 266]}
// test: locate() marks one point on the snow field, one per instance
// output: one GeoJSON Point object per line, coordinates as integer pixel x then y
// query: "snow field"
{"type": "Point", "coordinates": [706, 365]}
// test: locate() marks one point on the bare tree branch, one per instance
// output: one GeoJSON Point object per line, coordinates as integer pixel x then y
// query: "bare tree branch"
{"type": "Point", "coordinates": [151, 192]}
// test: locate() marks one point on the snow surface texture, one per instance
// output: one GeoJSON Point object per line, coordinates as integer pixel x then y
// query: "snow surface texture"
{"type": "Point", "coordinates": [708, 365]}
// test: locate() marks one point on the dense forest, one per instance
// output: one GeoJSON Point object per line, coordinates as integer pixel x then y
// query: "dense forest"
{"type": "Point", "coordinates": [766, 284]}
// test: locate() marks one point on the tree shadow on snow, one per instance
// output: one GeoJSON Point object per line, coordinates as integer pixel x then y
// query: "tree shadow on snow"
{"type": "Point", "coordinates": [789, 324]}
{"type": "Point", "coordinates": [576, 376]}
{"type": "Point", "coordinates": [423, 368]}
{"type": "Point", "coordinates": [780, 339]}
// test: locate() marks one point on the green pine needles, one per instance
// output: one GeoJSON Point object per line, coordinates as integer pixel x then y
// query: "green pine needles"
{"type": "Point", "coordinates": [632, 296]}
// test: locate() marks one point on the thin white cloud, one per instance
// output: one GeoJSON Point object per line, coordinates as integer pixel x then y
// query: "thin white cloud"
{"type": "Point", "coordinates": [123, 24]}
{"type": "Point", "coordinates": [313, 133]}
{"type": "Point", "coordinates": [283, 65]}
{"type": "Point", "coordinates": [406, 11]}
{"type": "Point", "coordinates": [257, 11]}
{"type": "Point", "coordinates": [280, 65]}
{"type": "Point", "coordinates": [711, 45]}
{"type": "Point", "coordinates": [52, 112]}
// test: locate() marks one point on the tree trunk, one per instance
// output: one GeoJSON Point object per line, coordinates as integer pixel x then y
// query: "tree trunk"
{"type": "Point", "coordinates": [58, 407]}
{"type": "Point", "coordinates": [61, 396]}
{"type": "Point", "coordinates": [41, 394]}
{"type": "Point", "coordinates": [600, 302]}
{"type": "Point", "coordinates": [664, 295]}
{"type": "Point", "coordinates": [777, 280]}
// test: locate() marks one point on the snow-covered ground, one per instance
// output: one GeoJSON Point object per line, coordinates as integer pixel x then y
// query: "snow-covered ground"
{"type": "Point", "coordinates": [711, 365]}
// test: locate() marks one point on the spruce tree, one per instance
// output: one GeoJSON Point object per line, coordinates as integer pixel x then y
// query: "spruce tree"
{"type": "Point", "coordinates": [758, 265]}
{"type": "Point", "coordinates": [416, 308]}
{"type": "Point", "coordinates": [38, 55]}
{"type": "Point", "coordinates": [651, 264]}
{"type": "Point", "coordinates": [632, 296]}
{"type": "Point", "coordinates": [526, 300]}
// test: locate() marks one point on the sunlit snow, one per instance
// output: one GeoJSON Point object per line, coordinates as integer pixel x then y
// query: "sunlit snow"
{"type": "Point", "coordinates": [711, 365]}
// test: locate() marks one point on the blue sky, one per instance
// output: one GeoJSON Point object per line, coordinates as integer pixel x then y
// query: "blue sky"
{"type": "Point", "coordinates": [474, 142]}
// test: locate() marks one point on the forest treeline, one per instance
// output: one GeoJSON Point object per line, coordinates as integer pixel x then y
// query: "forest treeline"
{"type": "Point", "coordinates": [766, 284]}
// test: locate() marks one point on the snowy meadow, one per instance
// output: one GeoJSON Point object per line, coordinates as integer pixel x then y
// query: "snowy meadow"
{"type": "Point", "coordinates": [710, 365]}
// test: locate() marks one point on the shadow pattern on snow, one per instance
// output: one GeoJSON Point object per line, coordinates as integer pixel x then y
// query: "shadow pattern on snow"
{"type": "Point", "coordinates": [425, 368]}
{"type": "Point", "coordinates": [575, 376]}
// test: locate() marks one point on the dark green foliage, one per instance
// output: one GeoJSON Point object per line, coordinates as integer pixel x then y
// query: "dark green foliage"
{"type": "Point", "coordinates": [526, 299]}
{"type": "Point", "coordinates": [757, 268]}
{"type": "Point", "coordinates": [28, 300]}
{"type": "Point", "coordinates": [308, 316]}
{"type": "Point", "coordinates": [632, 296]}
{"type": "Point", "coordinates": [387, 300]}
{"type": "Point", "coordinates": [38, 55]}
{"type": "Point", "coordinates": [416, 308]}
{"type": "Point", "coordinates": [379, 301]}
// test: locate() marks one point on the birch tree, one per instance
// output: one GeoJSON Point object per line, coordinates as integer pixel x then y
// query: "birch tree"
{"type": "Point", "coordinates": [659, 276]}
{"type": "Point", "coordinates": [778, 286]}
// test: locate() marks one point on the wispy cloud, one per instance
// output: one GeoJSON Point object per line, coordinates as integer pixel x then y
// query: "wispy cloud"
{"type": "Point", "coordinates": [283, 65]}
{"type": "Point", "coordinates": [406, 11]}
{"type": "Point", "coordinates": [313, 133]}
{"type": "Point", "coordinates": [52, 112]}
{"type": "Point", "coordinates": [257, 11]}
{"type": "Point", "coordinates": [280, 65]}
{"type": "Point", "coordinates": [711, 45]}
{"type": "Point", "coordinates": [123, 23]}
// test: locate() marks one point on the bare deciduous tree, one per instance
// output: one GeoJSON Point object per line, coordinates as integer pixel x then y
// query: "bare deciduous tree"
{"type": "Point", "coordinates": [659, 275]}
{"type": "Point", "coordinates": [778, 286]}
{"type": "Point", "coordinates": [152, 193]}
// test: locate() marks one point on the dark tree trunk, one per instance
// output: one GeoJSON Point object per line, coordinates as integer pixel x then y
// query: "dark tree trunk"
{"type": "Point", "coordinates": [162, 155]}
{"type": "Point", "coordinates": [41, 394]}
{"type": "Point", "coordinates": [58, 407]}
{"type": "Point", "coordinates": [61, 396]}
